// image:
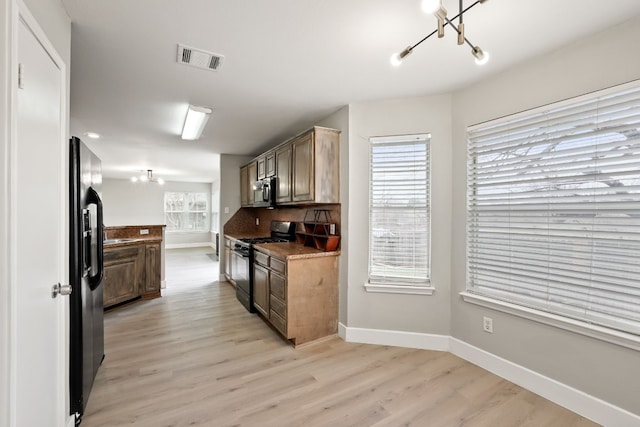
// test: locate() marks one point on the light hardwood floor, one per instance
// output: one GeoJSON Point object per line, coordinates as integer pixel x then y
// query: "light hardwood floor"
{"type": "Point", "coordinates": [196, 357]}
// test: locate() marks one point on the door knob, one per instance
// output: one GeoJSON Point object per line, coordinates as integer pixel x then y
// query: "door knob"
{"type": "Point", "coordinates": [59, 289]}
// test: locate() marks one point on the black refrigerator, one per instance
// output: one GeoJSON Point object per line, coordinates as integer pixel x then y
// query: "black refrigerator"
{"type": "Point", "coordinates": [86, 269]}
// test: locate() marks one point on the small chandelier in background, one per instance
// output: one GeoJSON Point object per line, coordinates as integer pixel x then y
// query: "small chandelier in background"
{"type": "Point", "coordinates": [147, 178]}
{"type": "Point", "coordinates": [435, 7]}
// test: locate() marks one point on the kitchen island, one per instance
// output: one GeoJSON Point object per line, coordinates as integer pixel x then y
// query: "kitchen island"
{"type": "Point", "coordinates": [132, 263]}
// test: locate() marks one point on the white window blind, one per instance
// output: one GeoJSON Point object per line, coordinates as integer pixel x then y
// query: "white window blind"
{"type": "Point", "coordinates": [399, 223]}
{"type": "Point", "coordinates": [186, 212]}
{"type": "Point", "coordinates": [554, 209]}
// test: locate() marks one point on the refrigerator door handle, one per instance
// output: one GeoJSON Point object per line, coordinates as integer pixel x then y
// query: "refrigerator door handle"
{"type": "Point", "coordinates": [94, 198]}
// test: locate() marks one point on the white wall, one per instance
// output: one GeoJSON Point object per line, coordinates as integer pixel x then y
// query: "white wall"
{"type": "Point", "coordinates": [229, 190]}
{"type": "Point", "coordinates": [411, 313]}
{"type": "Point", "coordinates": [129, 203]}
{"type": "Point", "coordinates": [603, 370]}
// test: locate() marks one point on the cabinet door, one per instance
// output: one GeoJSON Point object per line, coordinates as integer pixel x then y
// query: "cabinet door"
{"type": "Point", "coordinates": [270, 165]}
{"type": "Point", "coordinates": [262, 167]}
{"type": "Point", "coordinates": [252, 176]}
{"type": "Point", "coordinates": [261, 289]}
{"type": "Point", "coordinates": [152, 269]}
{"type": "Point", "coordinates": [303, 169]}
{"type": "Point", "coordinates": [283, 174]}
{"type": "Point", "coordinates": [244, 186]}
{"type": "Point", "coordinates": [227, 260]}
{"type": "Point", "coordinates": [123, 271]}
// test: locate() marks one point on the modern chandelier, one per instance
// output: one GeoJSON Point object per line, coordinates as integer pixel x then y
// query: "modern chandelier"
{"type": "Point", "coordinates": [435, 7]}
{"type": "Point", "coordinates": [147, 178]}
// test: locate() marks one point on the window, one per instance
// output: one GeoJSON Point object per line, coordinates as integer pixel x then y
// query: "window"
{"type": "Point", "coordinates": [554, 211]}
{"type": "Point", "coordinates": [186, 211]}
{"type": "Point", "coordinates": [399, 223]}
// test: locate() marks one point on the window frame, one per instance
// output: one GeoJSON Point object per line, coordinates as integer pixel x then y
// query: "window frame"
{"type": "Point", "coordinates": [586, 326]}
{"type": "Point", "coordinates": [389, 283]}
{"type": "Point", "coordinates": [186, 212]}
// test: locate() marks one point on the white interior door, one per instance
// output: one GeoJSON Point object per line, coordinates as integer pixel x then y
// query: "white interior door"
{"type": "Point", "coordinates": [38, 237]}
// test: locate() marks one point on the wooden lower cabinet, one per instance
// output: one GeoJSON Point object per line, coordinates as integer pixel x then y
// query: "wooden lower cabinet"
{"type": "Point", "coordinates": [302, 295]}
{"type": "Point", "coordinates": [152, 271]}
{"type": "Point", "coordinates": [123, 274]}
{"type": "Point", "coordinates": [227, 260]}
{"type": "Point", "coordinates": [261, 289]}
{"type": "Point", "coordinates": [131, 272]}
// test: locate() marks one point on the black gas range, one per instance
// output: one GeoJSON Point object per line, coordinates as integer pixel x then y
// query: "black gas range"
{"type": "Point", "coordinates": [281, 231]}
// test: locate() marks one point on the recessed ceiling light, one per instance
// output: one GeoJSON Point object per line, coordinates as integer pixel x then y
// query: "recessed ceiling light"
{"type": "Point", "coordinates": [92, 135]}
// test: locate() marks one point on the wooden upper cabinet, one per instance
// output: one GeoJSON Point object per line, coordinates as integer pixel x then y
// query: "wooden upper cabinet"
{"type": "Point", "coordinates": [270, 164]}
{"type": "Point", "coordinates": [248, 175]}
{"type": "Point", "coordinates": [316, 166]}
{"type": "Point", "coordinates": [283, 173]}
{"type": "Point", "coordinates": [244, 186]}
{"type": "Point", "coordinates": [267, 165]}
{"type": "Point", "coordinates": [307, 169]}
{"type": "Point", "coordinates": [303, 183]}
{"type": "Point", "coordinates": [262, 171]}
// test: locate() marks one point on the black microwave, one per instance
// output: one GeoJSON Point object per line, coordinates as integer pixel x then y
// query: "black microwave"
{"type": "Point", "coordinates": [264, 193]}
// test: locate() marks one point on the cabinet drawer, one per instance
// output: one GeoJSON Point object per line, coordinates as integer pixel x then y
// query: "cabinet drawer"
{"type": "Point", "coordinates": [278, 306]}
{"type": "Point", "coordinates": [261, 258]}
{"type": "Point", "coordinates": [279, 323]}
{"type": "Point", "coordinates": [278, 265]}
{"type": "Point", "coordinates": [278, 286]}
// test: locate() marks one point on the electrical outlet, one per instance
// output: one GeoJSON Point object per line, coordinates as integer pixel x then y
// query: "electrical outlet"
{"type": "Point", "coordinates": [144, 231]}
{"type": "Point", "coordinates": [487, 324]}
{"type": "Point", "coordinates": [226, 209]}
{"type": "Point", "coordinates": [257, 221]}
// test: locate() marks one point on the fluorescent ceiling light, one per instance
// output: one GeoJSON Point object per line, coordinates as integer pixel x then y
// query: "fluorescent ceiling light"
{"type": "Point", "coordinates": [92, 135]}
{"type": "Point", "coordinates": [195, 122]}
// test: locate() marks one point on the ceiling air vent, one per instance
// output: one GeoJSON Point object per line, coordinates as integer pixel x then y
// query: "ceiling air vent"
{"type": "Point", "coordinates": [199, 58]}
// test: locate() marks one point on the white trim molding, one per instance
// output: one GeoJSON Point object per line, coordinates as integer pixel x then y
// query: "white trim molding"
{"type": "Point", "coordinates": [396, 338]}
{"type": "Point", "coordinates": [400, 289]}
{"type": "Point", "coordinates": [594, 331]}
{"type": "Point", "coordinates": [189, 245]}
{"type": "Point", "coordinates": [568, 397]}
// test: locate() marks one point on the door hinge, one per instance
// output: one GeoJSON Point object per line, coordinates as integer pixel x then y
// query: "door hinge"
{"type": "Point", "coordinates": [20, 76]}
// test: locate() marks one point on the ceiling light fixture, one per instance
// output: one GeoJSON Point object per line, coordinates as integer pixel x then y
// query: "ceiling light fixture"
{"type": "Point", "coordinates": [435, 7]}
{"type": "Point", "coordinates": [195, 122]}
{"type": "Point", "coordinates": [147, 178]}
{"type": "Point", "coordinates": [92, 135]}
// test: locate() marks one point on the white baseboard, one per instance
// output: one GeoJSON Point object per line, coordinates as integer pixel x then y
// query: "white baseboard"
{"type": "Point", "coordinates": [189, 245]}
{"type": "Point", "coordinates": [575, 400]}
{"type": "Point", "coordinates": [342, 331]}
{"type": "Point", "coordinates": [397, 338]}
{"type": "Point", "coordinates": [588, 406]}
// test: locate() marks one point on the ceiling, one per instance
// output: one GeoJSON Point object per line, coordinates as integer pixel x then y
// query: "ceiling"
{"type": "Point", "coordinates": [287, 64]}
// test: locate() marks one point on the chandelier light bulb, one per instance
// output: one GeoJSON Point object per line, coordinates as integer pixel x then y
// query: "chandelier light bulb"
{"type": "Point", "coordinates": [396, 58]}
{"type": "Point", "coordinates": [148, 177]}
{"type": "Point", "coordinates": [431, 6]}
{"type": "Point", "coordinates": [481, 56]}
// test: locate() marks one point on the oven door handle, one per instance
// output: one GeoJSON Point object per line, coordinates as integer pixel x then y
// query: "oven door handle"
{"type": "Point", "coordinates": [242, 254]}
